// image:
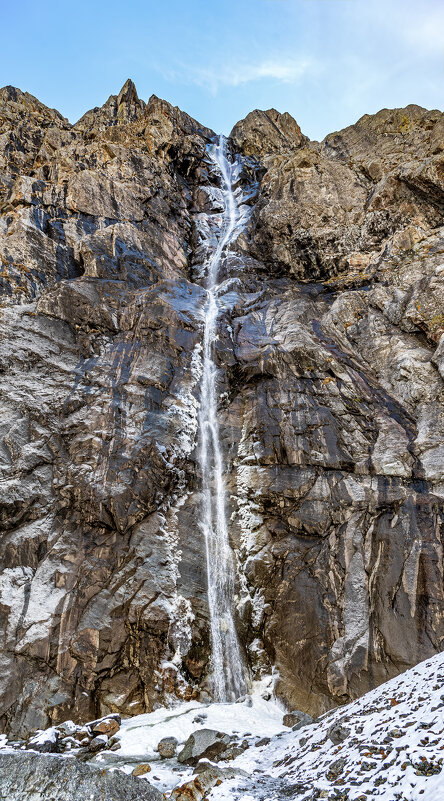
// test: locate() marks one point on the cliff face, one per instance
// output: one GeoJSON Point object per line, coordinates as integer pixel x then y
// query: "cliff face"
{"type": "Point", "coordinates": [331, 409]}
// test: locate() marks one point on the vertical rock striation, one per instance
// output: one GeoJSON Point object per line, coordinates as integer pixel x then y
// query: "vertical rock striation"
{"type": "Point", "coordinates": [330, 367]}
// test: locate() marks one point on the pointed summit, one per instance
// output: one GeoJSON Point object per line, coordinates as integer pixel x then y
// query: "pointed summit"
{"type": "Point", "coordinates": [128, 92]}
{"type": "Point", "coordinates": [118, 109]}
{"type": "Point", "coordinates": [129, 107]}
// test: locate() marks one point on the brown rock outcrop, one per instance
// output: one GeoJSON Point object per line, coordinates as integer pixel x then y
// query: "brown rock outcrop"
{"type": "Point", "coordinates": [264, 133]}
{"type": "Point", "coordinates": [331, 365]}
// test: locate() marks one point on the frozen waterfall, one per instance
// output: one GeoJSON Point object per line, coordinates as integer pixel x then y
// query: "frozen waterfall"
{"type": "Point", "coordinates": [227, 666]}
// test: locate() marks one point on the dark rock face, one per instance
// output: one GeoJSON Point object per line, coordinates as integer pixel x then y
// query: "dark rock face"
{"type": "Point", "coordinates": [339, 408]}
{"type": "Point", "coordinates": [97, 404]}
{"type": "Point", "coordinates": [46, 778]}
{"type": "Point", "coordinates": [331, 363]}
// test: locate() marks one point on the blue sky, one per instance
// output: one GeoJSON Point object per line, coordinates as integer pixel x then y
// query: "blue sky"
{"type": "Point", "coordinates": [327, 62]}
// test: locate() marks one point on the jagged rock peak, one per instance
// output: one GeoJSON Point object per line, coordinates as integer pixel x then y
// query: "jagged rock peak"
{"type": "Point", "coordinates": [388, 139]}
{"type": "Point", "coordinates": [262, 133]}
{"type": "Point", "coordinates": [128, 93]}
{"type": "Point", "coordinates": [118, 110]}
{"type": "Point", "coordinates": [22, 105]}
{"type": "Point", "coordinates": [158, 111]}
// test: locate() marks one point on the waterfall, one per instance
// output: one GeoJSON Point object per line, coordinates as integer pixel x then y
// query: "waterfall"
{"type": "Point", "coordinates": [227, 667]}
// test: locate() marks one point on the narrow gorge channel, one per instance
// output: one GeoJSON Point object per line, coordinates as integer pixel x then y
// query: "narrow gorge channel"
{"type": "Point", "coordinates": [227, 666]}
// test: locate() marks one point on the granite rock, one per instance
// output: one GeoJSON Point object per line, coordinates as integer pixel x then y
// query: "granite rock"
{"type": "Point", "coordinates": [330, 361]}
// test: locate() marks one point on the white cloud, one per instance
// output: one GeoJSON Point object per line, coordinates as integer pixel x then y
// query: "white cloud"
{"type": "Point", "coordinates": [285, 70]}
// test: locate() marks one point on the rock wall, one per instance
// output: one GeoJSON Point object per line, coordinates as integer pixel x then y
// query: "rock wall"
{"type": "Point", "coordinates": [331, 412]}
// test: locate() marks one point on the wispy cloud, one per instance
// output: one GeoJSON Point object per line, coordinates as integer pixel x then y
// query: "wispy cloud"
{"type": "Point", "coordinates": [426, 34]}
{"type": "Point", "coordinates": [416, 26]}
{"type": "Point", "coordinates": [284, 70]}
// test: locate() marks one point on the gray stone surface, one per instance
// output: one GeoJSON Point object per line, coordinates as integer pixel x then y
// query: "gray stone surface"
{"type": "Point", "coordinates": [338, 733]}
{"type": "Point", "coordinates": [331, 364]}
{"type": "Point", "coordinates": [49, 778]}
{"type": "Point", "coordinates": [203, 744]}
{"type": "Point", "coordinates": [167, 747]}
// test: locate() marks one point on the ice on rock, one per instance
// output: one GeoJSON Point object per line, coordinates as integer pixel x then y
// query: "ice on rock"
{"type": "Point", "coordinates": [228, 673]}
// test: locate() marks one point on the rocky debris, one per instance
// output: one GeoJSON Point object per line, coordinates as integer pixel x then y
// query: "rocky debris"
{"type": "Point", "coordinates": [81, 741]}
{"type": "Point", "coordinates": [336, 768]}
{"type": "Point", "coordinates": [261, 742]}
{"type": "Point", "coordinates": [233, 751]}
{"type": "Point", "coordinates": [338, 733]}
{"type": "Point", "coordinates": [199, 787]}
{"type": "Point", "coordinates": [370, 762]}
{"type": "Point", "coordinates": [141, 770]}
{"type": "Point", "coordinates": [363, 766]}
{"type": "Point", "coordinates": [49, 778]}
{"type": "Point", "coordinates": [167, 747]}
{"type": "Point", "coordinates": [393, 741]}
{"type": "Point", "coordinates": [208, 776]}
{"type": "Point", "coordinates": [297, 719]}
{"type": "Point", "coordinates": [204, 743]}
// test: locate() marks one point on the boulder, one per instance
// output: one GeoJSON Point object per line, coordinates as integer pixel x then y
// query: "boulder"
{"type": "Point", "coordinates": [167, 747]}
{"type": "Point", "coordinates": [68, 728]}
{"type": "Point", "coordinates": [51, 778]}
{"type": "Point", "coordinates": [203, 743]}
{"type": "Point", "coordinates": [45, 742]}
{"type": "Point", "coordinates": [114, 716]}
{"type": "Point", "coordinates": [338, 733]}
{"type": "Point", "coordinates": [108, 726]}
{"type": "Point", "coordinates": [296, 719]}
{"type": "Point", "coordinates": [98, 743]}
{"type": "Point", "coordinates": [141, 770]}
{"type": "Point", "coordinates": [261, 742]}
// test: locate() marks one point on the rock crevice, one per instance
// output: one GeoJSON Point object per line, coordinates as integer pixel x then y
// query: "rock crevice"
{"type": "Point", "coordinates": [330, 361]}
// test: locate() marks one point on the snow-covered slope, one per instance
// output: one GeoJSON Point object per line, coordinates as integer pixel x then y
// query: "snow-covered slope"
{"type": "Point", "coordinates": [394, 750]}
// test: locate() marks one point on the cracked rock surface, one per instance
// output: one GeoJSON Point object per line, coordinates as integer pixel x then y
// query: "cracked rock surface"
{"type": "Point", "coordinates": [331, 365]}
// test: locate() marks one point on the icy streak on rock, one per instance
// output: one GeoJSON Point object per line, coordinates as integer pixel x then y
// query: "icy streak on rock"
{"type": "Point", "coordinates": [228, 670]}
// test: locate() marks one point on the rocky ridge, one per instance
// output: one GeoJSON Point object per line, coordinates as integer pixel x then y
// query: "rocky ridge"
{"type": "Point", "coordinates": [331, 365]}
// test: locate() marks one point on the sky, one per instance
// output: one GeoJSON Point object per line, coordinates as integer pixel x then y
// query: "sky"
{"type": "Point", "coordinates": [327, 62]}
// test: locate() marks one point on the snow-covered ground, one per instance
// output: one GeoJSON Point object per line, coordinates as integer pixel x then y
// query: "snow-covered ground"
{"type": "Point", "coordinates": [393, 746]}
{"type": "Point", "coordinates": [140, 735]}
{"type": "Point", "coordinates": [394, 751]}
